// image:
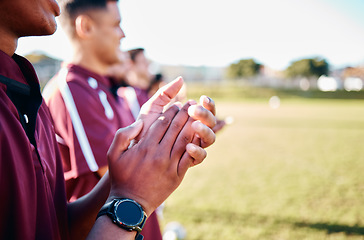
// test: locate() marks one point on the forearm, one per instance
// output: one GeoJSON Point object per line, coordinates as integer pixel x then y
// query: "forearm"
{"type": "Point", "coordinates": [82, 212]}
{"type": "Point", "coordinates": [104, 229]}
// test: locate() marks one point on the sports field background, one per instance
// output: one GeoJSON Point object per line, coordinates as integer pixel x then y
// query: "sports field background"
{"type": "Point", "coordinates": [295, 172]}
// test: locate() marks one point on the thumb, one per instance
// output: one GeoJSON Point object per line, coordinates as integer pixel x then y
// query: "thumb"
{"type": "Point", "coordinates": [162, 97]}
{"type": "Point", "coordinates": [122, 140]}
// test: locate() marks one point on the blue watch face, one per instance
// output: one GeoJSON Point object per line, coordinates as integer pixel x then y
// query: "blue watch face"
{"type": "Point", "coordinates": [129, 213]}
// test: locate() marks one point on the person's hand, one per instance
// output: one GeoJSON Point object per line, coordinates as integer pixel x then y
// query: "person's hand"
{"type": "Point", "coordinates": [204, 114]}
{"type": "Point", "coordinates": [155, 106]}
{"type": "Point", "coordinates": [152, 169]}
{"type": "Point", "coordinates": [192, 123]}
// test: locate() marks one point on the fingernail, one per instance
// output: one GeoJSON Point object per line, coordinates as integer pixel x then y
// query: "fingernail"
{"type": "Point", "coordinates": [205, 99]}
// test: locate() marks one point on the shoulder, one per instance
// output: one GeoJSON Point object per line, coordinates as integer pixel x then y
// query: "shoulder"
{"type": "Point", "coordinates": [67, 82]}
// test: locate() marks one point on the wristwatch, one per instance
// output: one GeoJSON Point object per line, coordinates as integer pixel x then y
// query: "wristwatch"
{"type": "Point", "coordinates": [125, 213]}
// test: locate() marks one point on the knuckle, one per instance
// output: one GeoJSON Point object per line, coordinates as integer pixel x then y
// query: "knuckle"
{"type": "Point", "coordinates": [202, 156]}
{"type": "Point", "coordinates": [185, 107]}
{"type": "Point", "coordinates": [183, 111]}
{"type": "Point", "coordinates": [173, 108]}
{"type": "Point", "coordinates": [142, 148]}
{"type": "Point", "coordinates": [210, 136]}
{"type": "Point", "coordinates": [187, 139]}
{"type": "Point", "coordinates": [213, 121]}
{"type": "Point", "coordinates": [164, 120]}
{"type": "Point", "coordinates": [213, 138]}
{"type": "Point", "coordinates": [203, 112]}
{"type": "Point", "coordinates": [120, 133]}
{"type": "Point", "coordinates": [176, 125]}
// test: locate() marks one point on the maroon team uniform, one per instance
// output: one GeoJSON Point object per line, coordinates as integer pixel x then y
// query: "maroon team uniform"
{"type": "Point", "coordinates": [33, 201]}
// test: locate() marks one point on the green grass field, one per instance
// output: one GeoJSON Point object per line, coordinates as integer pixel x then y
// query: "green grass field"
{"type": "Point", "coordinates": [296, 172]}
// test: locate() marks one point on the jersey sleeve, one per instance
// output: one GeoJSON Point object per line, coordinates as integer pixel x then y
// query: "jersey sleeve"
{"type": "Point", "coordinates": [85, 124]}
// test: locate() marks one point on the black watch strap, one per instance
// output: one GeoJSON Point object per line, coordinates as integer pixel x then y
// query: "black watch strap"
{"type": "Point", "coordinates": [105, 209]}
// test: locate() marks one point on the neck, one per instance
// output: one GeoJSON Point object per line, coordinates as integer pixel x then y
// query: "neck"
{"type": "Point", "coordinates": [138, 81]}
{"type": "Point", "coordinates": [8, 44]}
{"type": "Point", "coordinates": [89, 61]}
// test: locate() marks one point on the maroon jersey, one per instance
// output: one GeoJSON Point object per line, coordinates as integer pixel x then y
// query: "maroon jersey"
{"type": "Point", "coordinates": [33, 201]}
{"type": "Point", "coordinates": [86, 117]}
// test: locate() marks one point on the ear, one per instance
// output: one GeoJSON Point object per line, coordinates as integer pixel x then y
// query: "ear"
{"type": "Point", "coordinates": [84, 26]}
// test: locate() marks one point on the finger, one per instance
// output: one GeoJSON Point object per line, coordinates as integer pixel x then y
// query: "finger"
{"type": "Point", "coordinates": [205, 133]}
{"type": "Point", "coordinates": [208, 103]}
{"type": "Point", "coordinates": [219, 125]}
{"type": "Point", "coordinates": [193, 156]}
{"type": "Point", "coordinates": [158, 129]}
{"type": "Point", "coordinates": [200, 113]}
{"type": "Point", "coordinates": [122, 139]}
{"type": "Point", "coordinates": [162, 97]}
{"type": "Point", "coordinates": [185, 136]}
{"type": "Point", "coordinates": [186, 160]}
{"type": "Point", "coordinates": [178, 134]}
{"type": "Point", "coordinates": [178, 104]}
{"type": "Point", "coordinates": [198, 154]}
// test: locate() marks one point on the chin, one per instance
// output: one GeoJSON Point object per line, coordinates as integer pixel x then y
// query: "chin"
{"type": "Point", "coordinates": [48, 27]}
{"type": "Point", "coordinates": [40, 30]}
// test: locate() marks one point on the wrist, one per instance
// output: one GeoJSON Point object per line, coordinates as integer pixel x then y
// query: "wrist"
{"type": "Point", "coordinates": [105, 221]}
{"type": "Point", "coordinates": [125, 213]}
{"type": "Point", "coordinates": [147, 208]}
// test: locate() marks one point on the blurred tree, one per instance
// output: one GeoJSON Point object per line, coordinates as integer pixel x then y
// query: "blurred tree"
{"type": "Point", "coordinates": [308, 68]}
{"type": "Point", "coordinates": [243, 68]}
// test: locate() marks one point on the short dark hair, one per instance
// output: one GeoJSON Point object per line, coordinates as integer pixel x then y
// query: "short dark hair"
{"type": "Point", "coordinates": [70, 9]}
{"type": "Point", "coordinates": [74, 7]}
{"type": "Point", "coordinates": [134, 52]}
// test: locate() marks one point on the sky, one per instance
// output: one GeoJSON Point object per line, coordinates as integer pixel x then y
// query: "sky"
{"type": "Point", "coordinates": [219, 33]}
